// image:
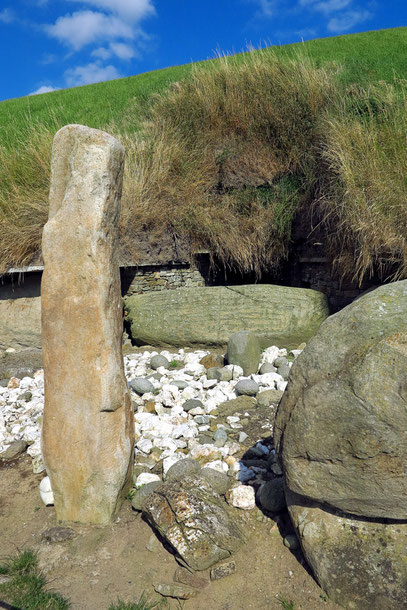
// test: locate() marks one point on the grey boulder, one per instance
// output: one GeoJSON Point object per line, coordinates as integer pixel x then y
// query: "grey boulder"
{"type": "Point", "coordinates": [360, 564]}
{"type": "Point", "coordinates": [340, 426]}
{"type": "Point", "coordinates": [244, 350]}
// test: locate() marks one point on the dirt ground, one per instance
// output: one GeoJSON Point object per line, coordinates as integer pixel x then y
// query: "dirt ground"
{"type": "Point", "coordinates": [103, 563]}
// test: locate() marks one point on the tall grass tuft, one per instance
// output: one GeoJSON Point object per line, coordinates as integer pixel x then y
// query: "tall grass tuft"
{"type": "Point", "coordinates": [24, 180]}
{"type": "Point", "coordinates": [226, 157]}
{"type": "Point", "coordinates": [364, 198]}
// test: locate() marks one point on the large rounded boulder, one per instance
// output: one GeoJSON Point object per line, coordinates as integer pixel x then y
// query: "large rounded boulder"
{"type": "Point", "coordinates": [341, 425]}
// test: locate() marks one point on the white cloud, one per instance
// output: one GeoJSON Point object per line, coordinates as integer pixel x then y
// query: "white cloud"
{"type": "Point", "coordinates": [101, 53]}
{"type": "Point", "coordinates": [121, 50]}
{"type": "Point", "coordinates": [347, 20]}
{"type": "Point", "coordinates": [326, 6]}
{"type": "Point", "coordinates": [43, 89]}
{"type": "Point", "coordinates": [7, 16]}
{"type": "Point", "coordinates": [90, 73]}
{"type": "Point", "coordinates": [84, 27]}
{"type": "Point", "coordinates": [134, 10]}
{"type": "Point", "coordinates": [266, 8]}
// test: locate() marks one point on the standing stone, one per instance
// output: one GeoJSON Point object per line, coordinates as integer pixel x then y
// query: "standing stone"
{"type": "Point", "coordinates": [88, 434]}
{"type": "Point", "coordinates": [245, 351]}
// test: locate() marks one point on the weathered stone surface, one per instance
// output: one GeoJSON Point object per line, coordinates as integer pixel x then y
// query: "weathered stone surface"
{"type": "Point", "coordinates": [212, 360]}
{"type": "Point", "coordinates": [236, 405]}
{"type": "Point", "coordinates": [360, 564]}
{"type": "Point", "coordinates": [88, 431]}
{"type": "Point", "coordinates": [206, 316]}
{"type": "Point", "coordinates": [20, 364]}
{"type": "Point", "coordinates": [14, 450]}
{"type": "Point", "coordinates": [175, 590]}
{"type": "Point", "coordinates": [141, 494]}
{"type": "Point", "coordinates": [245, 351]}
{"type": "Point", "coordinates": [218, 480]}
{"type": "Point", "coordinates": [193, 519]}
{"type": "Point", "coordinates": [269, 397]}
{"type": "Point", "coordinates": [340, 426]}
{"type": "Point", "coordinates": [20, 323]}
{"type": "Point", "coordinates": [223, 570]}
{"type": "Point", "coordinates": [185, 577]}
{"type": "Point", "coordinates": [58, 534]}
{"type": "Point", "coordinates": [182, 468]}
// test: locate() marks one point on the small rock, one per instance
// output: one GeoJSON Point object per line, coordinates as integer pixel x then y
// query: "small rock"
{"type": "Point", "coordinates": [267, 367]}
{"type": "Point", "coordinates": [291, 542]}
{"type": "Point", "coordinates": [58, 534]}
{"type": "Point", "coordinates": [26, 396]}
{"type": "Point", "coordinates": [175, 590]}
{"type": "Point", "coordinates": [218, 465]}
{"type": "Point", "coordinates": [212, 360]}
{"type": "Point", "coordinates": [46, 492]}
{"type": "Point", "coordinates": [170, 460]}
{"type": "Point", "coordinates": [271, 495]}
{"type": "Point", "coordinates": [14, 450]}
{"type": "Point", "coordinates": [141, 386]}
{"type": "Point", "coordinates": [240, 404]}
{"type": "Point", "coordinates": [185, 577]}
{"type": "Point", "coordinates": [157, 361]}
{"type": "Point", "coordinates": [149, 407]}
{"type": "Point", "coordinates": [276, 468]}
{"type": "Point", "coordinates": [13, 383]}
{"type": "Point", "coordinates": [211, 373]}
{"type": "Point", "coordinates": [182, 468]}
{"type": "Point", "coordinates": [269, 397]}
{"type": "Point", "coordinates": [192, 403]}
{"type": "Point", "coordinates": [247, 387]}
{"type": "Point", "coordinates": [153, 545]}
{"type": "Point", "coordinates": [220, 437]}
{"type": "Point", "coordinates": [145, 445]}
{"type": "Point", "coordinates": [241, 497]}
{"type": "Point", "coordinates": [284, 371]}
{"type": "Point", "coordinates": [245, 351]}
{"type": "Point", "coordinates": [146, 477]}
{"type": "Point", "coordinates": [242, 437]}
{"type": "Point", "coordinates": [180, 384]}
{"type": "Point", "coordinates": [223, 570]}
{"type": "Point", "coordinates": [142, 494]}
{"type": "Point", "coordinates": [218, 480]}
{"type": "Point", "coordinates": [280, 361]}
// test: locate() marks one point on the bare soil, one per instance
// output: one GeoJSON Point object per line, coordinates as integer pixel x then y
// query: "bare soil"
{"type": "Point", "coordinates": [101, 564]}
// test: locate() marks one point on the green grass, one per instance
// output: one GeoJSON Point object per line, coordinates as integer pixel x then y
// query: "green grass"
{"type": "Point", "coordinates": [26, 588]}
{"type": "Point", "coordinates": [365, 57]}
{"type": "Point", "coordinates": [286, 604]}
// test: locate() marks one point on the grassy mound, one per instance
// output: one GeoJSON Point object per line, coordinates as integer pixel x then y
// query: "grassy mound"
{"type": "Point", "coordinates": [227, 153]}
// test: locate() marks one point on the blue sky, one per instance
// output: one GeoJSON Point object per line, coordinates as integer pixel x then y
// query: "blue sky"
{"type": "Point", "coordinates": [52, 44]}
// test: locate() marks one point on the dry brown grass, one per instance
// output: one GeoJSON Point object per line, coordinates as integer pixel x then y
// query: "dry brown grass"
{"type": "Point", "coordinates": [364, 200]}
{"type": "Point", "coordinates": [225, 159]}
{"type": "Point", "coordinates": [24, 180]}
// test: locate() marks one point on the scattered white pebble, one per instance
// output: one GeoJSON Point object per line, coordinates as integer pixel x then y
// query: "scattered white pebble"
{"type": "Point", "coordinates": [46, 492]}
{"type": "Point", "coordinates": [241, 497]}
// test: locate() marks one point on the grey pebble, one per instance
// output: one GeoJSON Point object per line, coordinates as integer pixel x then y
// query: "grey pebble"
{"type": "Point", "coordinates": [141, 386]}
{"type": "Point", "coordinates": [157, 361]}
{"type": "Point", "coordinates": [247, 387]}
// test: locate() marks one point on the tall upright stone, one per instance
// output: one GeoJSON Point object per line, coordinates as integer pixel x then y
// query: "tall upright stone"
{"type": "Point", "coordinates": [88, 432]}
